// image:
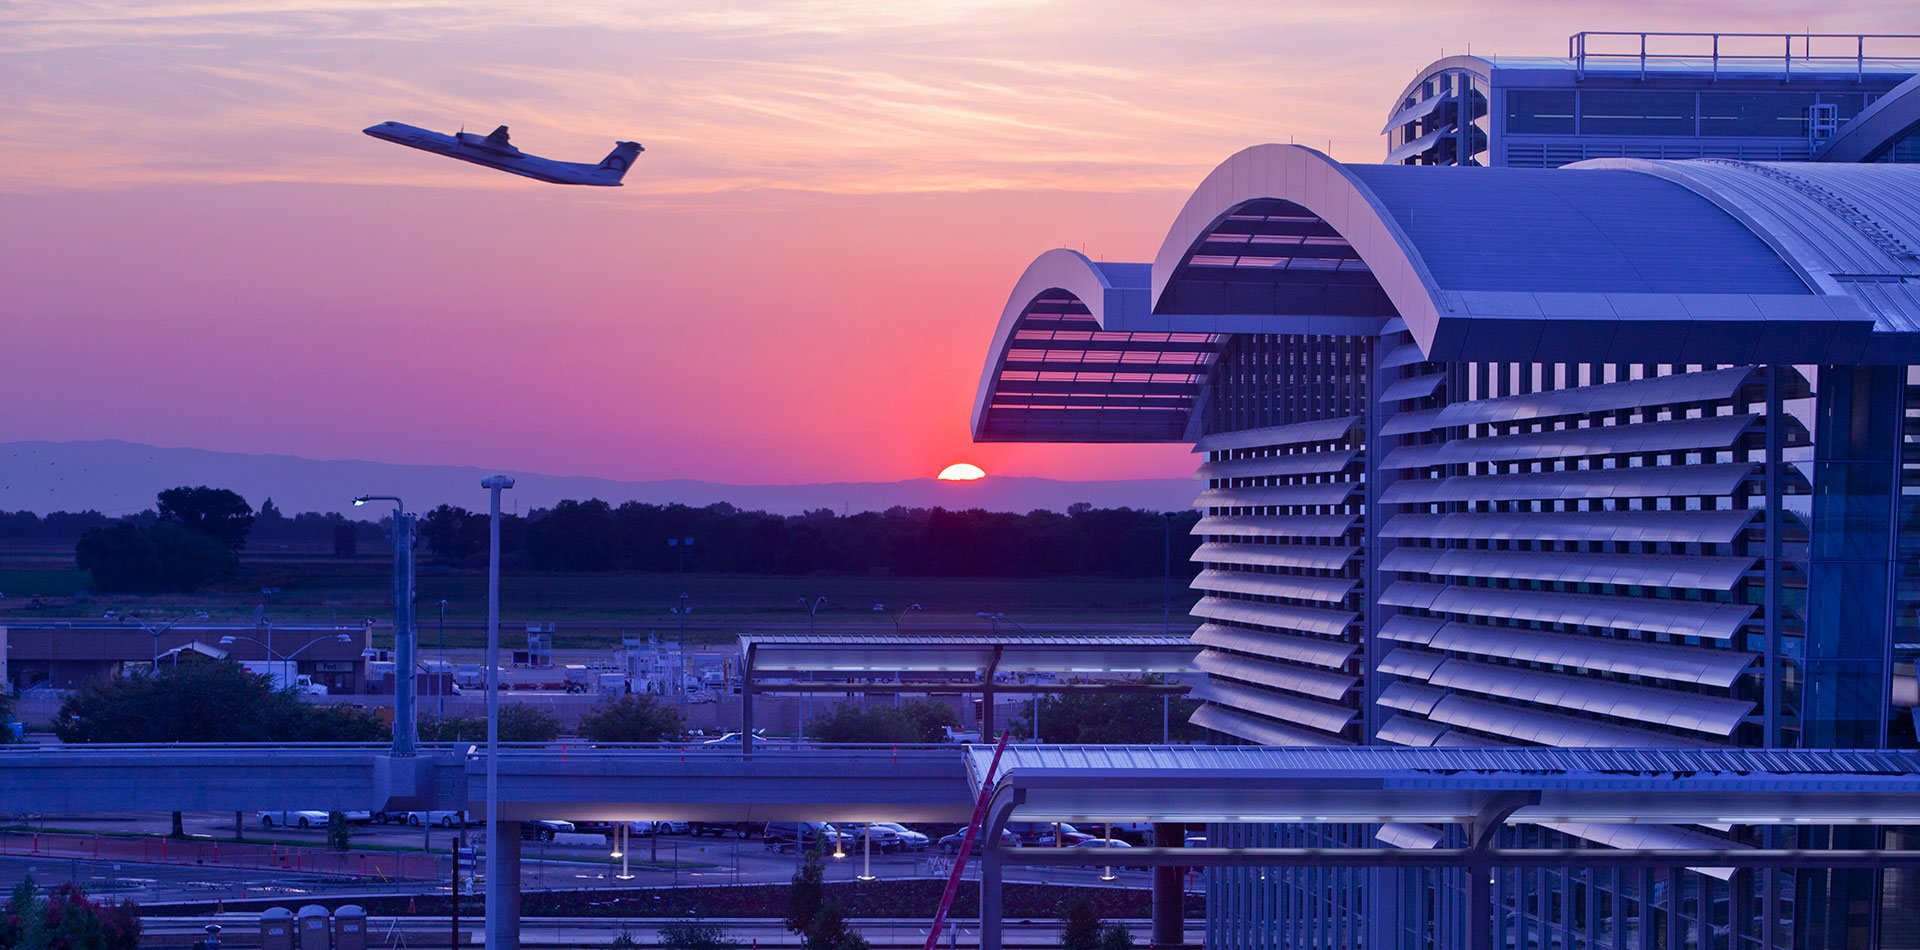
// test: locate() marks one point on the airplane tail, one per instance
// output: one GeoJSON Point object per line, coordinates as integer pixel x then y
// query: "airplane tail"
{"type": "Point", "coordinates": [621, 158]}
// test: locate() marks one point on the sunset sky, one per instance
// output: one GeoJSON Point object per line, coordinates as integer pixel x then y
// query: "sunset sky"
{"type": "Point", "coordinates": [198, 247]}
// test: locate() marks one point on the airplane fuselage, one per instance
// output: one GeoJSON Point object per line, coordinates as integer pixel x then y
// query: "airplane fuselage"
{"type": "Point", "coordinates": [477, 149]}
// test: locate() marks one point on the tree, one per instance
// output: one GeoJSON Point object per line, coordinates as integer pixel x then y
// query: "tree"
{"type": "Point", "coordinates": [1110, 718]}
{"type": "Point", "coordinates": [830, 930]}
{"type": "Point", "coordinates": [1081, 928]}
{"type": "Point", "coordinates": [519, 722]}
{"type": "Point", "coordinates": [453, 534]}
{"type": "Point", "coordinates": [6, 716]}
{"type": "Point", "coordinates": [203, 701]}
{"type": "Point", "coordinates": [125, 557]}
{"type": "Point", "coordinates": [339, 834]}
{"type": "Point", "coordinates": [218, 513]}
{"type": "Point", "coordinates": [931, 718]}
{"type": "Point", "coordinates": [919, 720]}
{"type": "Point", "coordinates": [631, 718]}
{"type": "Point", "coordinates": [346, 540]}
{"type": "Point", "coordinates": [66, 919]}
{"type": "Point", "coordinates": [807, 893]}
{"type": "Point", "coordinates": [694, 935]}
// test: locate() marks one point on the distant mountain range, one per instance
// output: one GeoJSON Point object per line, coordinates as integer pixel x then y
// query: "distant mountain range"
{"type": "Point", "coordinates": [122, 477]}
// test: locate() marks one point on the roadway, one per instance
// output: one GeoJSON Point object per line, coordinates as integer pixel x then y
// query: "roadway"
{"type": "Point", "coordinates": [426, 932]}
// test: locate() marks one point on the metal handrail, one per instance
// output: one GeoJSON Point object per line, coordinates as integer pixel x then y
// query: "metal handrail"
{"type": "Point", "coordinates": [1578, 52]}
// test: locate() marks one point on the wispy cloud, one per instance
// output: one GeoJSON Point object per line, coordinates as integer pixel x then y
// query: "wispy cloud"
{"type": "Point", "coordinates": [828, 96]}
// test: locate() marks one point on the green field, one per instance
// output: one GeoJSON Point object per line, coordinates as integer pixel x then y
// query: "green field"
{"type": "Point", "coordinates": [594, 609]}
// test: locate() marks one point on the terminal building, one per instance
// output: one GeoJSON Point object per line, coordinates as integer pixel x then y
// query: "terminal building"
{"type": "Point", "coordinates": [1612, 440]}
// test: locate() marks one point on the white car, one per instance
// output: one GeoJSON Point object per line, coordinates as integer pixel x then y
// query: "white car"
{"type": "Point", "coordinates": [444, 819]}
{"type": "Point", "coordinates": [891, 836]}
{"type": "Point", "coordinates": [292, 819]}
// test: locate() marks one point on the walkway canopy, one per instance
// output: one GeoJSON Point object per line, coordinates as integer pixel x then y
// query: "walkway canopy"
{"type": "Point", "coordinates": [981, 656]}
{"type": "Point", "coordinates": [1385, 784]}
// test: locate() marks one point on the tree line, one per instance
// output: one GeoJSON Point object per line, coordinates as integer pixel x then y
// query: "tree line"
{"type": "Point", "coordinates": [593, 535]}
{"type": "Point", "coordinates": [193, 536]}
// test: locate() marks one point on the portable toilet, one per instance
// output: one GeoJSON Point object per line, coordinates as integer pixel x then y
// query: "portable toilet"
{"type": "Point", "coordinates": [314, 928]}
{"type": "Point", "coordinates": [350, 927]}
{"type": "Point", "coordinates": [276, 929]}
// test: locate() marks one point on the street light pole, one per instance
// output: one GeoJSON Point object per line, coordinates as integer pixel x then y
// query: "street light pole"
{"type": "Point", "coordinates": [443, 686]}
{"type": "Point", "coordinates": [496, 888]}
{"type": "Point", "coordinates": [155, 632]}
{"type": "Point", "coordinates": [806, 699]}
{"type": "Point", "coordinates": [405, 658]}
{"type": "Point", "coordinates": [993, 619]}
{"type": "Point", "coordinates": [680, 545]}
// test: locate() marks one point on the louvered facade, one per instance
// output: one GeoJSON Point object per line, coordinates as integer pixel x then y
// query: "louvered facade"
{"type": "Point", "coordinates": [1619, 455]}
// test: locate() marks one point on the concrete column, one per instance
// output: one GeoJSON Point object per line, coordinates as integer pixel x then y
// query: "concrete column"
{"type": "Point", "coordinates": [1169, 899]}
{"type": "Point", "coordinates": [503, 890]}
{"type": "Point", "coordinates": [1479, 904]}
{"type": "Point", "coordinates": [986, 713]}
{"type": "Point", "coordinates": [990, 892]}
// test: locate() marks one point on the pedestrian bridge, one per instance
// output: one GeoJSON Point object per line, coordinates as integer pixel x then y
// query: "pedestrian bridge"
{"type": "Point", "coordinates": [697, 782]}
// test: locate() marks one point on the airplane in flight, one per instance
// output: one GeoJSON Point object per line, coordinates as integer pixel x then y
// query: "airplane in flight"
{"type": "Point", "coordinates": [494, 151]}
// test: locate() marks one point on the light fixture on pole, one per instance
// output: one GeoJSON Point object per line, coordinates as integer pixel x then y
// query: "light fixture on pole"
{"type": "Point", "coordinates": [282, 659]}
{"type": "Point", "coordinates": [896, 617]}
{"type": "Point", "coordinates": [442, 688]}
{"type": "Point", "coordinates": [994, 620]}
{"type": "Point", "coordinates": [681, 546]}
{"type": "Point", "coordinates": [155, 632]}
{"type": "Point", "coordinates": [625, 873]}
{"type": "Point", "coordinates": [866, 848]}
{"type": "Point", "coordinates": [838, 851]}
{"type": "Point", "coordinates": [805, 705]}
{"type": "Point", "coordinates": [405, 716]}
{"type": "Point", "coordinates": [496, 888]}
{"type": "Point", "coordinates": [1107, 875]}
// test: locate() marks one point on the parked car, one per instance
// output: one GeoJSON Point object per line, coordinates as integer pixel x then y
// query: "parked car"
{"type": "Point", "coordinates": [784, 835]}
{"type": "Point", "coordinates": [444, 819]}
{"type": "Point", "coordinates": [720, 829]}
{"type": "Point", "coordinates": [292, 819]}
{"type": "Point", "coordinates": [889, 836]}
{"type": "Point", "coordinates": [951, 843]}
{"type": "Point", "coordinates": [672, 827]}
{"type": "Point", "coordinates": [545, 829]}
{"type": "Point", "coordinates": [358, 817]}
{"type": "Point", "coordinates": [1113, 845]}
{"type": "Point", "coordinates": [1041, 833]}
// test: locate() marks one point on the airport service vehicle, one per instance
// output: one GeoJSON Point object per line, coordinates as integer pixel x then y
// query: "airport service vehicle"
{"type": "Point", "coordinates": [495, 151]}
{"type": "Point", "coordinates": [292, 819]}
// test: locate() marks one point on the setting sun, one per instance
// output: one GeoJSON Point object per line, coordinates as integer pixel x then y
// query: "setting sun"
{"type": "Point", "coordinates": [962, 472]}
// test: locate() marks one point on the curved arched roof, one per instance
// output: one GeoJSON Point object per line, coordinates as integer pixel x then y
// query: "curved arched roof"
{"type": "Point", "coordinates": [1887, 120]}
{"type": "Point", "coordinates": [1058, 370]}
{"type": "Point", "coordinates": [1615, 260]}
{"type": "Point", "coordinates": [1482, 262]}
